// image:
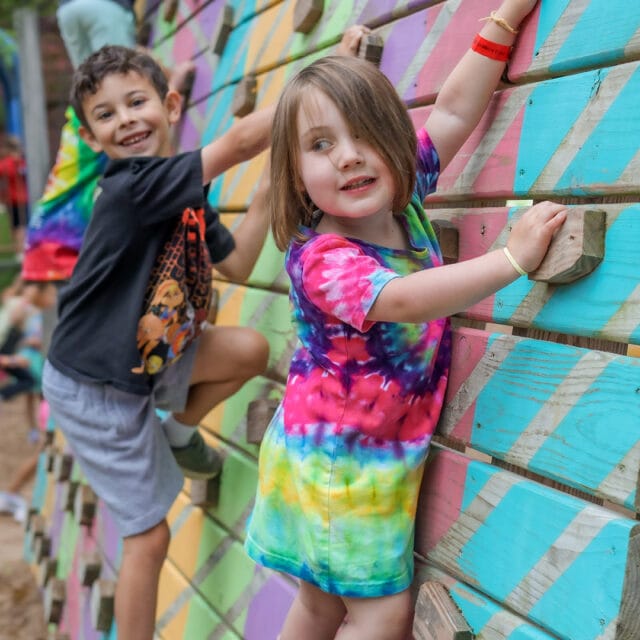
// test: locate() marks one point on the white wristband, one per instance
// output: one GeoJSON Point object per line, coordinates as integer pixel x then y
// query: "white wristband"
{"type": "Point", "coordinates": [514, 262]}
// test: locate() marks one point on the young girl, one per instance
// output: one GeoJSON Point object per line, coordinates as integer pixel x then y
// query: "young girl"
{"type": "Point", "coordinates": [342, 461]}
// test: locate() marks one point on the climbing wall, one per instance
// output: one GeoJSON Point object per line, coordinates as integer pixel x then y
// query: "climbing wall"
{"type": "Point", "coordinates": [537, 447]}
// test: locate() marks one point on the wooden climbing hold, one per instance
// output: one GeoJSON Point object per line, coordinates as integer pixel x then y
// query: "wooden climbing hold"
{"type": "Point", "coordinates": [31, 513]}
{"type": "Point", "coordinates": [144, 34]}
{"type": "Point", "coordinates": [306, 15]}
{"type": "Point", "coordinates": [259, 414]}
{"type": "Point", "coordinates": [576, 249]}
{"type": "Point", "coordinates": [90, 568]}
{"type": "Point", "coordinates": [54, 597]}
{"type": "Point", "coordinates": [41, 548]}
{"type": "Point", "coordinates": [68, 495]}
{"type": "Point", "coordinates": [102, 604]}
{"type": "Point", "coordinates": [244, 97]}
{"type": "Point", "coordinates": [50, 452]}
{"type": "Point", "coordinates": [371, 48]}
{"type": "Point", "coordinates": [223, 29]}
{"type": "Point", "coordinates": [447, 235]}
{"type": "Point", "coordinates": [84, 508]}
{"type": "Point", "coordinates": [170, 10]}
{"type": "Point", "coordinates": [35, 530]}
{"type": "Point", "coordinates": [205, 493]}
{"type": "Point", "coordinates": [437, 616]}
{"type": "Point", "coordinates": [49, 437]}
{"type": "Point", "coordinates": [62, 465]}
{"type": "Point", "coordinates": [47, 569]}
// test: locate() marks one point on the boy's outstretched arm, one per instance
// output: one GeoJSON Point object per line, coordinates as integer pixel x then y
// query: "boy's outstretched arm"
{"type": "Point", "coordinates": [249, 236]}
{"type": "Point", "coordinates": [467, 91]}
{"type": "Point", "coordinates": [246, 138]}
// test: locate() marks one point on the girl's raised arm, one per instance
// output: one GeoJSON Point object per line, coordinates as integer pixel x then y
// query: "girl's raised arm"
{"type": "Point", "coordinates": [466, 92]}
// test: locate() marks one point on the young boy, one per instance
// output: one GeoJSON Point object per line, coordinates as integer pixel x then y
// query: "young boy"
{"type": "Point", "coordinates": [100, 398]}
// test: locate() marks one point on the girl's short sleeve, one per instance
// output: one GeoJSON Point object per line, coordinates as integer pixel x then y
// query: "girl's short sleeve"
{"type": "Point", "coordinates": [427, 165]}
{"type": "Point", "coordinates": [341, 279]}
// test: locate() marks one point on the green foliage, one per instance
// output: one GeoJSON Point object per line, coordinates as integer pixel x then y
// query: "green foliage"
{"type": "Point", "coordinates": [7, 7]}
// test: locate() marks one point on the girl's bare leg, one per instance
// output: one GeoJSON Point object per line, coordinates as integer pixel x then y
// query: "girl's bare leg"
{"type": "Point", "coordinates": [314, 615]}
{"type": "Point", "coordinates": [385, 618]}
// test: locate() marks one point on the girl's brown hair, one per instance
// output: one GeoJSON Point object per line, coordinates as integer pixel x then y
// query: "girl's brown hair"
{"type": "Point", "coordinates": [375, 113]}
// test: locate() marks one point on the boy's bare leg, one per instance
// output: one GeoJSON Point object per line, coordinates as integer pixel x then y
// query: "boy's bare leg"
{"type": "Point", "coordinates": [137, 586]}
{"type": "Point", "coordinates": [227, 357]}
{"type": "Point", "coordinates": [314, 615]}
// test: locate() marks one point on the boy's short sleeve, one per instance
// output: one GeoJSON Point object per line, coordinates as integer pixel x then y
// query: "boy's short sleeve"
{"type": "Point", "coordinates": [341, 279]}
{"type": "Point", "coordinates": [161, 188]}
{"type": "Point", "coordinates": [219, 239]}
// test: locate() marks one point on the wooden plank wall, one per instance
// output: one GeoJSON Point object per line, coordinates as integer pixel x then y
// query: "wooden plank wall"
{"type": "Point", "coordinates": [528, 512]}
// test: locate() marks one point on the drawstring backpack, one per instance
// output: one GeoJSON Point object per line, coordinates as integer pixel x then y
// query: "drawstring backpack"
{"type": "Point", "coordinates": [178, 296]}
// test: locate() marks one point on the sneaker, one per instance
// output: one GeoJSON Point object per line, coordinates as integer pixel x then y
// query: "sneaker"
{"type": "Point", "coordinates": [13, 504]}
{"type": "Point", "coordinates": [20, 509]}
{"type": "Point", "coordinates": [197, 460]}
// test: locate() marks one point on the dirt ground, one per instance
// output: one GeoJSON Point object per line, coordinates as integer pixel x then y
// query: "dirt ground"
{"type": "Point", "coordinates": [21, 610]}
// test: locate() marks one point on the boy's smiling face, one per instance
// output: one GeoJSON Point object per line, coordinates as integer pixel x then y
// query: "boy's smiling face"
{"type": "Point", "coordinates": [128, 118]}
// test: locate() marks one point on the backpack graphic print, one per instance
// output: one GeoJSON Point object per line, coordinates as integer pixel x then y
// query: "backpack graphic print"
{"type": "Point", "coordinates": [178, 296]}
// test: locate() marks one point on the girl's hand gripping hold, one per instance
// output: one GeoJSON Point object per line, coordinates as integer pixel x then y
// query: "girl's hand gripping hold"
{"type": "Point", "coordinates": [531, 235]}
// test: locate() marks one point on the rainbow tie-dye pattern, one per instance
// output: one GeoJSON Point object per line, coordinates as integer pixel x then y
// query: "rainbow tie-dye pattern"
{"type": "Point", "coordinates": [342, 460]}
{"type": "Point", "coordinates": [60, 218]}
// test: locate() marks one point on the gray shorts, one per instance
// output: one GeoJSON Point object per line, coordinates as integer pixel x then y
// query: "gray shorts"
{"type": "Point", "coordinates": [119, 443]}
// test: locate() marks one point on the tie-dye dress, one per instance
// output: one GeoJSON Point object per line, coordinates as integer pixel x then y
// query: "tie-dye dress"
{"type": "Point", "coordinates": [342, 460]}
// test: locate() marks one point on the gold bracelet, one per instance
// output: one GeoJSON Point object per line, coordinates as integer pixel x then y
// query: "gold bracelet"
{"type": "Point", "coordinates": [514, 262]}
{"type": "Point", "coordinates": [501, 22]}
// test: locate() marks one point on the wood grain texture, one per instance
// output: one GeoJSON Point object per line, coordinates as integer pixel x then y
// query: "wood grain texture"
{"type": "Point", "coordinates": [558, 411]}
{"type": "Point", "coordinates": [567, 569]}
{"type": "Point", "coordinates": [602, 305]}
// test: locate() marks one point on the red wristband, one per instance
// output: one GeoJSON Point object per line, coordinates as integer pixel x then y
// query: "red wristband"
{"type": "Point", "coordinates": [491, 49]}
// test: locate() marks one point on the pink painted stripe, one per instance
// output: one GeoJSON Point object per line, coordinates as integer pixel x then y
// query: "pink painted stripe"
{"type": "Point", "coordinates": [525, 49]}
{"type": "Point", "coordinates": [441, 497]}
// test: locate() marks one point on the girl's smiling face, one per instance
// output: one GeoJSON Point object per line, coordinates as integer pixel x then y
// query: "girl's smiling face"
{"type": "Point", "coordinates": [128, 118]}
{"type": "Point", "coordinates": [343, 174]}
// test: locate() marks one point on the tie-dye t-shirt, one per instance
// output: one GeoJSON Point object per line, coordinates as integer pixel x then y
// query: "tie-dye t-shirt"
{"type": "Point", "coordinates": [341, 463]}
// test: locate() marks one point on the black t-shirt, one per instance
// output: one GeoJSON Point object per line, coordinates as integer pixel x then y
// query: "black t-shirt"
{"type": "Point", "coordinates": [138, 205]}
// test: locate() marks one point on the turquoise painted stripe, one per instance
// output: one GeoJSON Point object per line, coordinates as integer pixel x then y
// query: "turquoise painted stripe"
{"type": "Point", "coordinates": [545, 126]}
{"type": "Point", "coordinates": [500, 574]}
{"type": "Point", "coordinates": [607, 152]}
{"type": "Point", "coordinates": [588, 569]}
{"type": "Point", "coordinates": [550, 14]}
{"type": "Point", "coordinates": [610, 43]}
{"type": "Point", "coordinates": [40, 486]}
{"type": "Point", "coordinates": [505, 412]}
{"type": "Point", "coordinates": [478, 611]}
{"type": "Point", "coordinates": [592, 301]}
{"type": "Point", "coordinates": [475, 482]}
{"type": "Point", "coordinates": [603, 420]}
{"type": "Point", "coordinates": [219, 121]}
{"type": "Point", "coordinates": [233, 61]}
{"type": "Point", "coordinates": [244, 9]}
